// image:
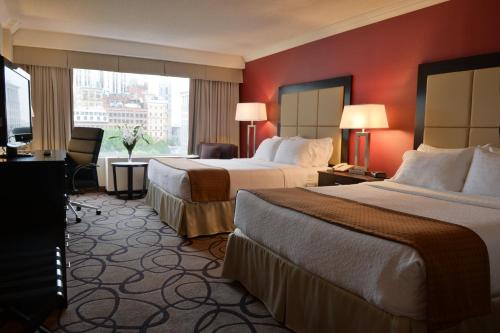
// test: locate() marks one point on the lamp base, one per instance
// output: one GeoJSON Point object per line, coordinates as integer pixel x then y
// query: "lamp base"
{"type": "Point", "coordinates": [366, 135]}
{"type": "Point", "coordinates": [254, 128]}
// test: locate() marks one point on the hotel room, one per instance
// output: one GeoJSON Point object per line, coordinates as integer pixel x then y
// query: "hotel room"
{"type": "Point", "coordinates": [260, 166]}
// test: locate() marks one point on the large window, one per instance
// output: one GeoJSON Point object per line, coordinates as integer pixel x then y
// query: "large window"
{"type": "Point", "coordinates": [110, 100]}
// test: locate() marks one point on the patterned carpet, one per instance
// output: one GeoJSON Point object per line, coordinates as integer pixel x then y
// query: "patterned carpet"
{"type": "Point", "coordinates": [131, 273]}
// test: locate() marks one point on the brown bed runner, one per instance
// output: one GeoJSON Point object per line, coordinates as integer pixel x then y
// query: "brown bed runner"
{"type": "Point", "coordinates": [208, 183]}
{"type": "Point", "coordinates": [456, 258]}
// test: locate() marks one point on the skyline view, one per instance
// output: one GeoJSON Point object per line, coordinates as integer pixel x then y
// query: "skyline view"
{"type": "Point", "coordinates": [108, 100]}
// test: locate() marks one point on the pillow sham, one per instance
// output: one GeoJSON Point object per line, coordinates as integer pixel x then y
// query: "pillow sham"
{"type": "Point", "coordinates": [484, 174]}
{"type": "Point", "coordinates": [321, 151]}
{"type": "Point", "coordinates": [292, 151]}
{"type": "Point", "coordinates": [267, 149]}
{"type": "Point", "coordinates": [494, 150]}
{"type": "Point", "coordinates": [438, 170]}
{"type": "Point", "coordinates": [427, 148]}
{"type": "Point", "coordinates": [305, 152]}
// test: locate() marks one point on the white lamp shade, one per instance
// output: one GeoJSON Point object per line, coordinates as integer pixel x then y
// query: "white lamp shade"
{"type": "Point", "coordinates": [251, 112]}
{"type": "Point", "coordinates": [364, 116]}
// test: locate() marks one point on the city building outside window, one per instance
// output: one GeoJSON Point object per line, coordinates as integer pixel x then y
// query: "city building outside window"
{"type": "Point", "coordinates": [109, 100]}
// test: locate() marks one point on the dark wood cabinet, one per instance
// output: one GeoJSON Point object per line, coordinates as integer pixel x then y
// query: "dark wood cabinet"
{"type": "Point", "coordinates": [331, 178]}
{"type": "Point", "coordinates": [33, 237]}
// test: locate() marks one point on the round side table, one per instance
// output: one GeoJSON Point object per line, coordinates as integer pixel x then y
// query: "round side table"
{"type": "Point", "coordinates": [130, 179]}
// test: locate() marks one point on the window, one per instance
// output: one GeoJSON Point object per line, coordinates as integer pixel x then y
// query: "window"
{"type": "Point", "coordinates": [110, 100]}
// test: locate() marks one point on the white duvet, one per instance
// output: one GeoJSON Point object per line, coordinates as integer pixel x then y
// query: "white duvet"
{"type": "Point", "coordinates": [387, 274]}
{"type": "Point", "coordinates": [243, 172]}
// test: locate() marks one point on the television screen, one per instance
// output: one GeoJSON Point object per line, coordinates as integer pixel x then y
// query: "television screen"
{"type": "Point", "coordinates": [17, 106]}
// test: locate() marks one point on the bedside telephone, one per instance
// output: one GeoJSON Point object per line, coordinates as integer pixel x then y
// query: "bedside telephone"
{"type": "Point", "coordinates": [342, 167]}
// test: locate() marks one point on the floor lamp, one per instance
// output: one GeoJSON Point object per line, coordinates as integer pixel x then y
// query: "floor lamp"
{"type": "Point", "coordinates": [251, 112]}
{"type": "Point", "coordinates": [363, 116]}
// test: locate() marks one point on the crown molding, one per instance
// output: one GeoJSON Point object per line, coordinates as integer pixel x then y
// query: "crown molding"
{"type": "Point", "coordinates": [12, 25]}
{"type": "Point", "coordinates": [82, 43]}
{"type": "Point", "coordinates": [345, 25]}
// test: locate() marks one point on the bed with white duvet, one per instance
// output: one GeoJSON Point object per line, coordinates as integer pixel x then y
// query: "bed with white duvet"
{"type": "Point", "coordinates": [278, 163]}
{"type": "Point", "coordinates": [387, 274]}
{"type": "Point", "coordinates": [243, 172]}
{"type": "Point", "coordinates": [459, 186]}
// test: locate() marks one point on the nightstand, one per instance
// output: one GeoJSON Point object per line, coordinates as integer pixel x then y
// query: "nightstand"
{"type": "Point", "coordinates": [330, 178]}
{"type": "Point", "coordinates": [130, 178]}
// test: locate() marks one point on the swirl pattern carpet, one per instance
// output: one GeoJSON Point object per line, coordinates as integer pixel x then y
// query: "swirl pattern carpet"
{"type": "Point", "coordinates": [131, 273]}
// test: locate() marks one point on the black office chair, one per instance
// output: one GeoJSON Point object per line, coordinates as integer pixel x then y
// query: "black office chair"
{"type": "Point", "coordinates": [82, 154]}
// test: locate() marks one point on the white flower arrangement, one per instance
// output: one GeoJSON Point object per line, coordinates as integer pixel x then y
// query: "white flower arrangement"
{"type": "Point", "coordinates": [130, 137]}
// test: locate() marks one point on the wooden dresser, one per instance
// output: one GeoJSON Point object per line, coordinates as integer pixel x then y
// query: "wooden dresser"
{"type": "Point", "coordinates": [33, 231]}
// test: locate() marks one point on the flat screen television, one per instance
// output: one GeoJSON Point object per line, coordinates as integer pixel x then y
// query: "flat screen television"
{"type": "Point", "coordinates": [15, 105]}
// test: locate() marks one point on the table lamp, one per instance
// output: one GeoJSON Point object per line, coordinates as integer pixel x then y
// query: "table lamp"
{"type": "Point", "coordinates": [251, 112]}
{"type": "Point", "coordinates": [363, 116]}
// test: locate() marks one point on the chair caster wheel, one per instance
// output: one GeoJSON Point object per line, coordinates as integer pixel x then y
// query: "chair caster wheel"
{"type": "Point", "coordinates": [78, 220]}
{"type": "Point", "coordinates": [78, 208]}
{"type": "Point", "coordinates": [98, 212]}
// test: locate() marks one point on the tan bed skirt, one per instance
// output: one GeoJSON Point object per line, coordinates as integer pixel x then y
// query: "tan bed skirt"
{"type": "Point", "coordinates": [307, 303]}
{"type": "Point", "coordinates": [191, 219]}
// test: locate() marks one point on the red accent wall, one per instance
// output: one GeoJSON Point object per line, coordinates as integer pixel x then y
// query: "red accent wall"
{"type": "Point", "coordinates": [383, 58]}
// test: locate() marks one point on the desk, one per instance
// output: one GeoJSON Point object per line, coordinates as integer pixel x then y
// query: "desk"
{"type": "Point", "coordinates": [33, 237]}
{"type": "Point", "coordinates": [130, 178]}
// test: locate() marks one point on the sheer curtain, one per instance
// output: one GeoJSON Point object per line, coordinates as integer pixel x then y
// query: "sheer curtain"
{"type": "Point", "coordinates": [212, 109]}
{"type": "Point", "coordinates": [51, 99]}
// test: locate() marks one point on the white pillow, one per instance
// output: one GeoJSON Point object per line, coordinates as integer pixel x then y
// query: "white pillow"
{"type": "Point", "coordinates": [444, 171]}
{"type": "Point", "coordinates": [292, 151]}
{"type": "Point", "coordinates": [427, 148]}
{"type": "Point", "coordinates": [484, 174]}
{"type": "Point", "coordinates": [305, 152]}
{"type": "Point", "coordinates": [494, 150]}
{"type": "Point", "coordinates": [267, 149]}
{"type": "Point", "coordinates": [321, 151]}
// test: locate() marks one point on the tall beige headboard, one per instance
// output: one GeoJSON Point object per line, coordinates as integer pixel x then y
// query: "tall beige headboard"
{"type": "Point", "coordinates": [313, 110]}
{"type": "Point", "coordinates": [458, 102]}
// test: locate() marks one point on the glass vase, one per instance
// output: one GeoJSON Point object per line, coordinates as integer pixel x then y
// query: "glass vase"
{"type": "Point", "coordinates": [130, 156]}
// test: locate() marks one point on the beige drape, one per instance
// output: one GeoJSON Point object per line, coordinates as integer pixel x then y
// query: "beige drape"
{"type": "Point", "coordinates": [51, 100]}
{"type": "Point", "coordinates": [212, 109]}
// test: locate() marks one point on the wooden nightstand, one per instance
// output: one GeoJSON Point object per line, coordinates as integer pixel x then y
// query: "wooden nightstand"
{"type": "Point", "coordinates": [329, 178]}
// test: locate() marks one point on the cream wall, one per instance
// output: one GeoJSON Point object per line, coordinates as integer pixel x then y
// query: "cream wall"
{"type": "Point", "coordinates": [6, 42]}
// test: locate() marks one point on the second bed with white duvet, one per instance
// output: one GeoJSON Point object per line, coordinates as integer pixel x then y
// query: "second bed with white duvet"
{"type": "Point", "coordinates": [387, 274]}
{"type": "Point", "coordinates": [243, 172]}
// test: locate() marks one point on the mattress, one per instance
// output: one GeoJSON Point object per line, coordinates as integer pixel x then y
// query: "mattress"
{"type": "Point", "coordinates": [385, 273]}
{"type": "Point", "coordinates": [243, 172]}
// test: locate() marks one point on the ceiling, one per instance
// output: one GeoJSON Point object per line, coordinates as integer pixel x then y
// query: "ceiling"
{"type": "Point", "coordinates": [247, 28]}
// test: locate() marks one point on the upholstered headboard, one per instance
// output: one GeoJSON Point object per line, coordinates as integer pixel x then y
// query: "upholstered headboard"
{"type": "Point", "coordinates": [313, 110]}
{"type": "Point", "coordinates": [458, 102]}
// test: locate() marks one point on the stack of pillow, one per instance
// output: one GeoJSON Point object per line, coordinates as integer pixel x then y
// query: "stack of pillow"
{"type": "Point", "coordinates": [471, 170]}
{"type": "Point", "coordinates": [296, 150]}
